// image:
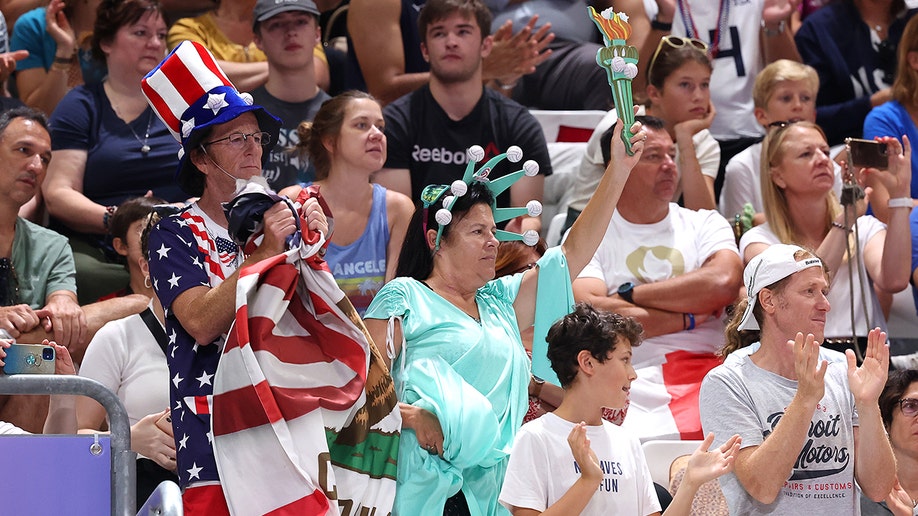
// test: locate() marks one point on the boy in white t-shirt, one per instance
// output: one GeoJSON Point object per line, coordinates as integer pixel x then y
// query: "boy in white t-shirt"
{"type": "Point", "coordinates": [601, 469]}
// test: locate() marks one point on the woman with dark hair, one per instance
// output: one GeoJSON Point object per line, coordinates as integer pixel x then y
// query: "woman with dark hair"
{"type": "Point", "coordinates": [899, 410]}
{"type": "Point", "coordinates": [129, 357]}
{"type": "Point", "coordinates": [108, 145]}
{"type": "Point", "coordinates": [452, 334]}
{"type": "Point", "coordinates": [346, 143]}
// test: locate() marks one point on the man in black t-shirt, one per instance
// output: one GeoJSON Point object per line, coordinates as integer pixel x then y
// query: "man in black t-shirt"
{"type": "Point", "coordinates": [429, 130]}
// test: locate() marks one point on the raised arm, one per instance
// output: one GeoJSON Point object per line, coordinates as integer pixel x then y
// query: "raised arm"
{"type": "Point", "coordinates": [41, 88]}
{"type": "Point", "coordinates": [888, 261]}
{"type": "Point", "coordinates": [587, 232]}
{"type": "Point", "coordinates": [874, 463]}
{"type": "Point", "coordinates": [697, 188]}
{"type": "Point", "coordinates": [777, 36]}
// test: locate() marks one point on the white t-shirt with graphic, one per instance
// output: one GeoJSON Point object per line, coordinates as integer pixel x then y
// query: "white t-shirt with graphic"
{"type": "Point", "coordinates": [739, 397]}
{"type": "Point", "coordinates": [648, 253]}
{"type": "Point", "coordinates": [542, 468]}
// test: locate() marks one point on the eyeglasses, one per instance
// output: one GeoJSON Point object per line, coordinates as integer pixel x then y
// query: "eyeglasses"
{"type": "Point", "coordinates": [908, 406]}
{"type": "Point", "coordinates": [238, 140]}
{"type": "Point", "coordinates": [675, 42]}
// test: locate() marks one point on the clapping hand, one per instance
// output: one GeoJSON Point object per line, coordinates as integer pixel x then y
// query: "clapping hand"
{"type": "Point", "coordinates": [515, 55]}
{"type": "Point", "coordinates": [583, 454]}
{"type": "Point", "coordinates": [810, 371]}
{"type": "Point", "coordinates": [706, 465]}
{"type": "Point", "coordinates": [866, 382]}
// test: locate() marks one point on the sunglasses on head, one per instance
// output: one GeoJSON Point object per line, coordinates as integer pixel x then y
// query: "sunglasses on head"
{"type": "Point", "coordinates": [675, 42]}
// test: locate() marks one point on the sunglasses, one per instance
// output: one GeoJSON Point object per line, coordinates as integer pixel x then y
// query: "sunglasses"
{"type": "Point", "coordinates": [675, 42]}
{"type": "Point", "coordinates": [908, 406]}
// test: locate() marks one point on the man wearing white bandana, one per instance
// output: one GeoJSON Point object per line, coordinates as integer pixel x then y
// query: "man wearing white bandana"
{"type": "Point", "coordinates": [810, 429]}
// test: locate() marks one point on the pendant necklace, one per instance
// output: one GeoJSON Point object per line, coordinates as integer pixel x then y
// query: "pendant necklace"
{"type": "Point", "coordinates": [144, 148]}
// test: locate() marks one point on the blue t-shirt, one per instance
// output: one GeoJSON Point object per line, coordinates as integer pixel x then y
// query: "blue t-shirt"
{"type": "Point", "coordinates": [30, 33]}
{"type": "Point", "coordinates": [116, 169]}
{"type": "Point", "coordinates": [891, 119]}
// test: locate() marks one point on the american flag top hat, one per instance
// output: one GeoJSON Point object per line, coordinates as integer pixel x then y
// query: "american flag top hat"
{"type": "Point", "coordinates": [189, 92]}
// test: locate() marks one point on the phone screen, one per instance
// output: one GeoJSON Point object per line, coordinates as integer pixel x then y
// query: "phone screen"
{"type": "Point", "coordinates": [867, 154]}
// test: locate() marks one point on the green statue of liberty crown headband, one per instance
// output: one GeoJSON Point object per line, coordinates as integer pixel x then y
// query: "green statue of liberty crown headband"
{"type": "Point", "coordinates": [459, 187]}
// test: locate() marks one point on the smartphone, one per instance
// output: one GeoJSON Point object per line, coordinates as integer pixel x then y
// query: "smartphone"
{"type": "Point", "coordinates": [29, 359]}
{"type": "Point", "coordinates": [867, 154]}
{"type": "Point", "coordinates": [164, 423]}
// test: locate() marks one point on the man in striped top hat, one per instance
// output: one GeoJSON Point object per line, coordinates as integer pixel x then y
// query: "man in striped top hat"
{"type": "Point", "coordinates": [193, 260]}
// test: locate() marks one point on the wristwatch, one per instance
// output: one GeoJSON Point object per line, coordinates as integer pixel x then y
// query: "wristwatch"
{"type": "Point", "coordinates": [626, 291]}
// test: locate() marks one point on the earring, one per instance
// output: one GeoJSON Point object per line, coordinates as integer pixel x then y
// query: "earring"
{"type": "Point", "coordinates": [146, 282]}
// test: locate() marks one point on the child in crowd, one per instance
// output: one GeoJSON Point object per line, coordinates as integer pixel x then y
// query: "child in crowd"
{"type": "Point", "coordinates": [784, 92]}
{"type": "Point", "coordinates": [590, 351]}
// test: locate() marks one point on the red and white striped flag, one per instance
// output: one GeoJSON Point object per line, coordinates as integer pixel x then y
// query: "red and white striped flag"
{"type": "Point", "coordinates": [305, 419]}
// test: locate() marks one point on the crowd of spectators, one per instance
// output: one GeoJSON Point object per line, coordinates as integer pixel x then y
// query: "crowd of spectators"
{"type": "Point", "coordinates": [744, 109]}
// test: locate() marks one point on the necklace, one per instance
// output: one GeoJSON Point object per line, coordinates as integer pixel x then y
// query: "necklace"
{"type": "Point", "coordinates": [144, 148]}
{"type": "Point", "coordinates": [692, 31]}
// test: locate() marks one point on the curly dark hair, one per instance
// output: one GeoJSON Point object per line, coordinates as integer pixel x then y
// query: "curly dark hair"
{"type": "Point", "coordinates": [587, 328]}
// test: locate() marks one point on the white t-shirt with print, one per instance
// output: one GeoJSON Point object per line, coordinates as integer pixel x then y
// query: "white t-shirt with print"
{"type": "Point", "coordinates": [542, 468]}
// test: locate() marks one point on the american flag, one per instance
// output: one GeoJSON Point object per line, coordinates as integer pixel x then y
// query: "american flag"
{"type": "Point", "coordinates": [305, 419]}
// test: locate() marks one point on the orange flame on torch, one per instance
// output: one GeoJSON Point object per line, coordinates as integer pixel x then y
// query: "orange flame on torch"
{"type": "Point", "coordinates": [612, 25]}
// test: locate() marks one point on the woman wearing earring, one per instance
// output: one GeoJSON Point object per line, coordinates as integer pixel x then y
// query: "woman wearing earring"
{"type": "Point", "coordinates": [678, 92]}
{"type": "Point", "coordinates": [108, 145]}
{"type": "Point", "coordinates": [346, 143]}
{"type": "Point", "coordinates": [801, 208]}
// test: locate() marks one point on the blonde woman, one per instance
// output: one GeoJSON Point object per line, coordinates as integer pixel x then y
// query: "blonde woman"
{"type": "Point", "coordinates": [800, 208]}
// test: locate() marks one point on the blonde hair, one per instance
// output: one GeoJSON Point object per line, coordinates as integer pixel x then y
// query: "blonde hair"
{"type": "Point", "coordinates": [905, 87]}
{"type": "Point", "coordinates": [782, 70]}
{"type": "Point", "coordinates": [777, 212]}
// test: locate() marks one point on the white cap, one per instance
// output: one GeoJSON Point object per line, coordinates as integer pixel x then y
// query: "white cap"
{"type": "Point", "coordinates": [767, 268]}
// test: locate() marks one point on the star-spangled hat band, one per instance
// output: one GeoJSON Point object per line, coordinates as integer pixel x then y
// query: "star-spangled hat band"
{"type": "Point", "coordinates": [433, 193]}
{"type": "Point", "coordinates": [189, 92]}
